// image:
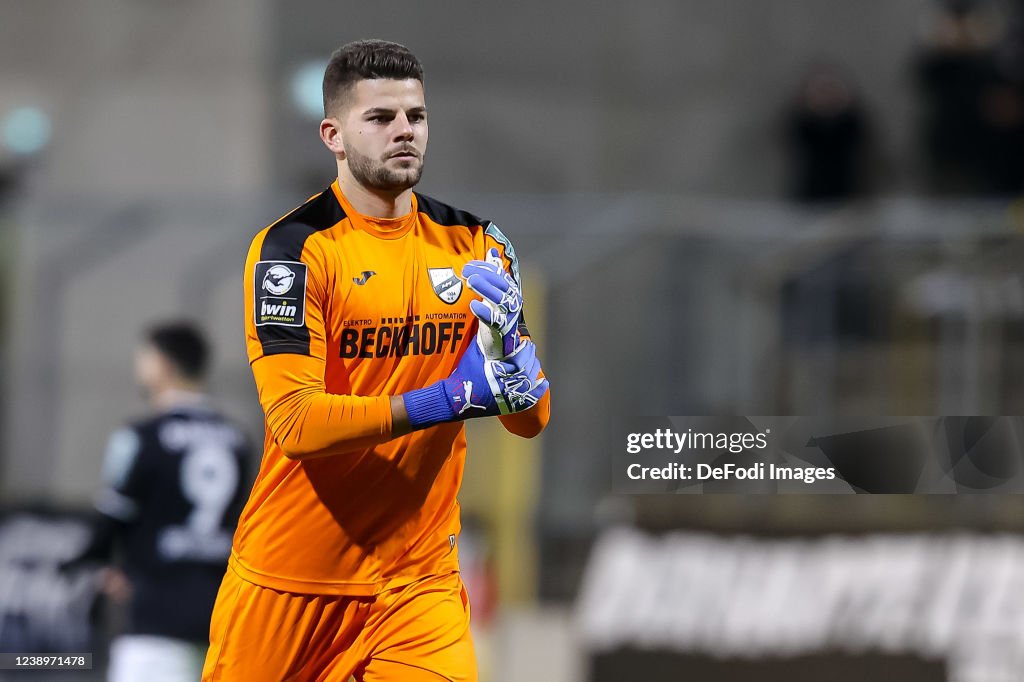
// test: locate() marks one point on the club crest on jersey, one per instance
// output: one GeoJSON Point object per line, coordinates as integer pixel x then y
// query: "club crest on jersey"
{"type": "Point", "coordinates": [447, 285]}
{"type": "Point", "coordinates": [280, 293]}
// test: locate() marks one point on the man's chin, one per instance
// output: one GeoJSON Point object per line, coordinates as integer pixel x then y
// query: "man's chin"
{"type": "Point", "coordinates": [401, 181]}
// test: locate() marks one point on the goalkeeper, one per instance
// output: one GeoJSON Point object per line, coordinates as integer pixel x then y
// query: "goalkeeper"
{"type": "Point", "coordinates": [378, 320]}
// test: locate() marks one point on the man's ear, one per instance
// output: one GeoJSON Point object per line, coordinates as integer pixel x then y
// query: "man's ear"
{"type": "Point", "coordinates": [330, 134]}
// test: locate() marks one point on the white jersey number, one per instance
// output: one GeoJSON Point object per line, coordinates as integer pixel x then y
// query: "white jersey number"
{"type": "Point", "coordinates": [209, 479]}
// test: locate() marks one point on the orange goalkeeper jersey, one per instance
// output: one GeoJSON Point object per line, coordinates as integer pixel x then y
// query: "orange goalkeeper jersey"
{"type": "Point", "coordinates": [343, 311]}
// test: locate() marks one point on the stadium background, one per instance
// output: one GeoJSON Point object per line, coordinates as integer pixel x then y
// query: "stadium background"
{"type": "Point", "coordinates": [642, 157]}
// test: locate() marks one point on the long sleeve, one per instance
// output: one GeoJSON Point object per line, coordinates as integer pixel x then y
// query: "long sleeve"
{"type": "Point", "coordinates": [287, 281]}
{"type": "Point", "coordinates": [305, 420]}
{"type": "Point", "coordinates": [531, 422]}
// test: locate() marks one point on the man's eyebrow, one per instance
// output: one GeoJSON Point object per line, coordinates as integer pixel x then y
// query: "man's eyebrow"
{"type": "Point", "coordinates": [386, 110]}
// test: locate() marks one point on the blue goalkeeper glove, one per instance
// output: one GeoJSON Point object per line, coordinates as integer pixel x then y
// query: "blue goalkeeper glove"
{"type": "Point", "coordinates": [500, 307]}
{"type": "Point", "coordinates": [479, 387]}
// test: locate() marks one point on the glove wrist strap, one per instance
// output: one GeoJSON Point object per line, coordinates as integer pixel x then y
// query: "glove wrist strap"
{"type": "Point", "coordinates": [428, 406]}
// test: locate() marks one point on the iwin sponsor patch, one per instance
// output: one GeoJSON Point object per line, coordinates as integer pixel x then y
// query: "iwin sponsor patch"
{"type": "Point", "coordinates": [280, 290]}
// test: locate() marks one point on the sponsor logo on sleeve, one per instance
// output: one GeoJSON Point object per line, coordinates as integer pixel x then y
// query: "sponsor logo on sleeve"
{"type": "Point", "coordinates": [280, 289]}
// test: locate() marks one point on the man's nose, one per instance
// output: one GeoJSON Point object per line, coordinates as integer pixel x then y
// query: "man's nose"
{"type": "Point", "coordinates": [403, 129]}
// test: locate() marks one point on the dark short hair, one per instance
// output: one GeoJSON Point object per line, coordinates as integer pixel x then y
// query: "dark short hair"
{"type": "Point", "coordinates": [364, 60]}
{"type": "Point", "coordinates": [183, 344]}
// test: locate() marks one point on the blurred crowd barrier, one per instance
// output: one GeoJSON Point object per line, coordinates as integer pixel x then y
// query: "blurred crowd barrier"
{"type": "Point", "coordinates": [46, 606]}
{"type": "Point", "coordinates": [937, 607]}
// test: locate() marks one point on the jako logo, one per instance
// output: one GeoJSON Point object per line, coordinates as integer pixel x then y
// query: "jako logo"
{"type": "Point", "coordinates": [278, 280]}
{"type": "Point", "coordinates": [277, 310]}
{"type": "Point", "coordinates": [367, 274]}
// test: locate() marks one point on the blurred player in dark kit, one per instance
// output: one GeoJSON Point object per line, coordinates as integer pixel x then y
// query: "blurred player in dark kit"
{"type": "Point", "coordinates": [174, 483]}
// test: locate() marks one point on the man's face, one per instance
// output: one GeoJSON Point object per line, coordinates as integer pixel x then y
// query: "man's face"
{"type": "Point", "coordinates": [384, 131]}
{"type": "Point", "coordinates": [152, 371]}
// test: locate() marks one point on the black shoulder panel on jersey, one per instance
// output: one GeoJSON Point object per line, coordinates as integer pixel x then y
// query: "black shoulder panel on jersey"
{"type": "Point", "coordinates": [284, 241]}
{"type": "Point", "coordinates": [443, 214]}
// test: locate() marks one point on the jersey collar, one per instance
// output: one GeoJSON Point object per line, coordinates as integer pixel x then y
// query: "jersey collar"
{"type": "Point", "coordinates": [383, 228]}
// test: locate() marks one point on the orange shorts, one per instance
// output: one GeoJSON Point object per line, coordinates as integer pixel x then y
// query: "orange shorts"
{"type": "Point", "coordinates": [418, 632]}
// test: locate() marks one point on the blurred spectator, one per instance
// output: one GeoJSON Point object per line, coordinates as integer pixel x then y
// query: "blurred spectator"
{"type": "Point", "coordinates": [1002, 110]}
{"type": "Point", "coordinates": [173, 489]}
{"type": "Point", "coordinates": [954, 70]}
{"type": "Point", "coordinates": [827, 131]}
{"type": "Point", "coordinates": [1002, 115]}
